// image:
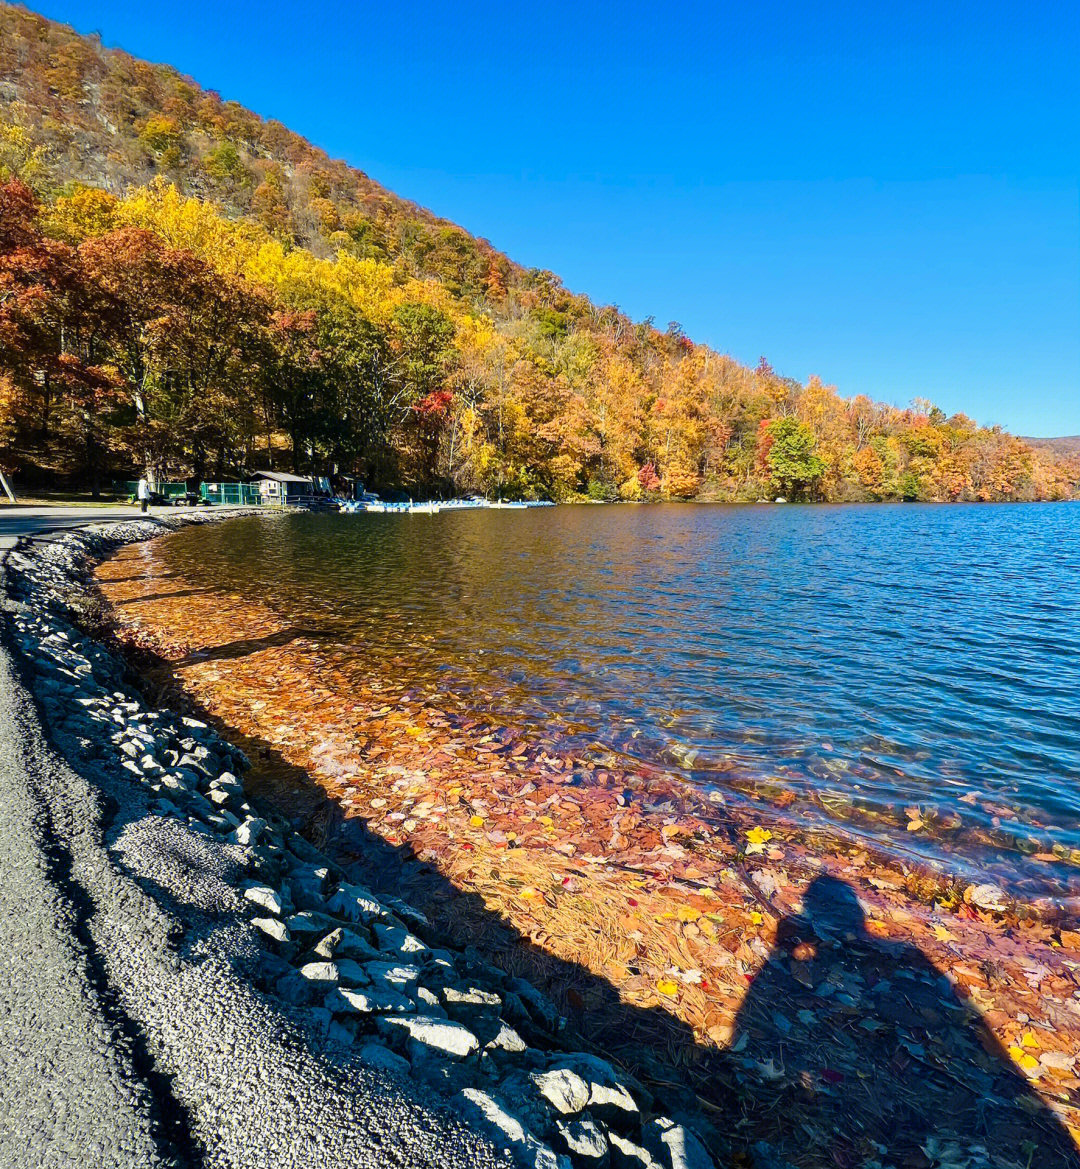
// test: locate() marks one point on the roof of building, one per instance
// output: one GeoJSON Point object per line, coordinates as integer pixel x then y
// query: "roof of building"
{"type": "Point", "coordinates": [281, 477]}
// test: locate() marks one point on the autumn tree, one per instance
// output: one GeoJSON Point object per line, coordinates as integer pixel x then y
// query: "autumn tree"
{"type": "Point", "coordinates": [794, 468]}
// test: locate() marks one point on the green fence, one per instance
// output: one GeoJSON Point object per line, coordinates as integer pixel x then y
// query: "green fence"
{"type": "Point", "coordinates": [239, 493]}
{"type": "Point", "coordinates": [234, 493]}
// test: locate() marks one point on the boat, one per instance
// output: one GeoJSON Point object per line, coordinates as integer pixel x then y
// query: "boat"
{"type": "Point", "coordinates": [369, 502]}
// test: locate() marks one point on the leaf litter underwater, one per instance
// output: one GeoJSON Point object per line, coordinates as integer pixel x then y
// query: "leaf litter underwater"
{"type": "Point", "coordinates": [843, 1005]}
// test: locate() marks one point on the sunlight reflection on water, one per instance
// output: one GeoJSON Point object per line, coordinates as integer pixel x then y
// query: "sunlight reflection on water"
{"type": "Point", "coordinates": [888, 665]}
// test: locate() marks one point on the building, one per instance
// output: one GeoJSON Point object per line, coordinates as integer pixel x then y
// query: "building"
{"type": "Point", "coordinates": [280, 487]}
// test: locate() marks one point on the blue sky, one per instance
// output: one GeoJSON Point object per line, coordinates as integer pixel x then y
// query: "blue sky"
{"type": "Point", "coordinates": [886, 195]}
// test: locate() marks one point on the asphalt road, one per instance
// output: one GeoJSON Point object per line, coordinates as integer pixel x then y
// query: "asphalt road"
{"type": "Point", "coordinates": [17, 520]}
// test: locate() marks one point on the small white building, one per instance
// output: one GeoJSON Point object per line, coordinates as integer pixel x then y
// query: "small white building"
{"type": "Point", "coordinates": [280, 487]}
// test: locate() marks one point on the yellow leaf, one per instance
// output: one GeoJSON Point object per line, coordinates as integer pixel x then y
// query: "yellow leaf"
{"type": "Point", "coordinates": [1025, 1059]}
{"type": "Point", "coordinates": [1029, 1039]}
{"type": "Point", "coordinates": [476, 821]}
{"type": "Point", "coordinates": [669, 830]}
{"type": "Point", "coordinates": [756, 918]}
{"type": "Point", "coordinates": [688, 913]}
{"type": "Point", "coordinates": [914, 825]}
{"type": "Point", "coordinates": [758, 835]}
{"type": "Point", "coordinates": [942, 934]}
{"type": "Point", "coordinates": [666, 986]}
{"type": "Point", "coordinates": [547, 821]}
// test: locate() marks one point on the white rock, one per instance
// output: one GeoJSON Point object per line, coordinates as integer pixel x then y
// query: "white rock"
{"type": "Point", "coordinates": [430, 1001]}
{"type": "Point", "coordinates": [566, 1091]}
{"type": "Point", "coordinates": [529, 1151]}
{"type": "Point", "coordinates": [472, 997]}
{"type": "Point", "coordinates": [395, 973]}
{"type": "Point", "coordinates": [368, 1001]}
{"type": "Point", "coordinates": [585, 1139]}
{"type": "Point", "coordinates": [628, 1155]}
{"type": "Point", "coordinates": [265, 897]}
{"type": "Point", "coordinates": [250, 831]}
{"type": "Point", "coordinates": [441, 1034]}
{"type": "Point", "coordinates": [396, 939]}
{"type": "Point", "coordinates": [377, 1056]}
{"type": "Point", "coordinates": [329, 944]}
{"type": "Point", "coordinates": [320, 971]}
{"type": "Point", "coordinates": [351, 971]}
{"type": "Point", "coordinates": [355, 903]}
{"type": "Point", "coordinates": [608, 1096]}
{"type": "Point", "coordinates": [507, 1039]}
{"type": "Point", "coordinates": [675, 1145]}
{"type": "Point", "coordinates": [307, 923]}
{"type": "Point", "coordinates": [273, 927]}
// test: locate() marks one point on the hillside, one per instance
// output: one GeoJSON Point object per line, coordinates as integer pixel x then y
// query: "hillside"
{"type": "Point", "coordinates": [200, 291]}
{"type": "Point", "coordinates": [1065, 446]}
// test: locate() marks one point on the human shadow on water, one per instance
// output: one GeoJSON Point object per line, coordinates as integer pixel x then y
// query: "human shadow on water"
{"type": "Point", "coordinates": [847, 1046]}
{"type": "Point", "coordinates": [847, 1051]}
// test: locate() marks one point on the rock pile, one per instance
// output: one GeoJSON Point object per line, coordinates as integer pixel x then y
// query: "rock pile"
{"type": "Point", "coordinates": [365, 974]}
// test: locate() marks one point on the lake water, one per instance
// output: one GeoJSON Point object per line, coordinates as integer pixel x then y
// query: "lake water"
{"type": "Point", "coordinates": [909, 674]}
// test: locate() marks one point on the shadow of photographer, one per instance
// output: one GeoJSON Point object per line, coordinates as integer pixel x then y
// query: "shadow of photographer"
{"type": "Point", "coordinates": [850, 1051]}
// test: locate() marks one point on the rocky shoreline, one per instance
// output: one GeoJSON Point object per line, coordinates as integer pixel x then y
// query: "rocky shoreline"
{"type": "Point", "coordinates": [272, 969]}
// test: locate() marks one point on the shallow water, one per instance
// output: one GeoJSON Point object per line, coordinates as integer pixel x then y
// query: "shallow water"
{"type": "Point", "coordinates": [910, 673]}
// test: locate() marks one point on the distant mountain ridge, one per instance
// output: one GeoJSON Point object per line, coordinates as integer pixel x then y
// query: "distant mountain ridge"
{"type": "Point", "coordinates": [1068, 444]}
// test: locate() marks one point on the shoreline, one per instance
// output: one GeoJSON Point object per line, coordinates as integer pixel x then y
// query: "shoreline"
{"type": "Point", "coordinates": [337, 998]}
{"type": "Point", "coordinates": [952, 940]}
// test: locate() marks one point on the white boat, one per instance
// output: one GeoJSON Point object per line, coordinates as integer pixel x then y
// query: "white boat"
{"type": "Point", "coordinates": [372, 503]}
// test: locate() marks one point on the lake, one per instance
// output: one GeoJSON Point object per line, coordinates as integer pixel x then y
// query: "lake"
{"type": "Point", "coordinates": [907, 675]}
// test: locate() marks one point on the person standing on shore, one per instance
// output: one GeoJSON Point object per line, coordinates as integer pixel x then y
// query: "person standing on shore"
{"type": "Point", "coordinates": [143, 493]}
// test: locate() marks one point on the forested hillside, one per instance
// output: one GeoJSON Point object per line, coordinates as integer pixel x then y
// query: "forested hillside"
{"type": "Point", "coordinates": [187, 287]}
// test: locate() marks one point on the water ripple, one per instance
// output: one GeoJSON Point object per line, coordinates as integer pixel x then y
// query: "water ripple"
{"type": "Point", "coordinates": [890, 656]}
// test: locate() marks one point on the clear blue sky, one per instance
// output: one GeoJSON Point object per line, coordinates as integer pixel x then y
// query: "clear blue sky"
{"type": "Point", "coordinates": [887, 195]}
